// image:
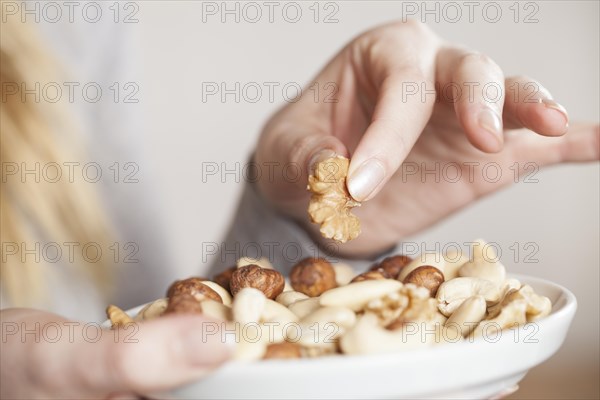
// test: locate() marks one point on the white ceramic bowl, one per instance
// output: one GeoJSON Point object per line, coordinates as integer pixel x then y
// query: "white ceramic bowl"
{"type": "Point", "coordinates": [476, 370]}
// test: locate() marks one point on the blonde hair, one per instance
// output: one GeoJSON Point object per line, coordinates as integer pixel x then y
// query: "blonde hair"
{"type": "Point", "coordinates": [34, 135]}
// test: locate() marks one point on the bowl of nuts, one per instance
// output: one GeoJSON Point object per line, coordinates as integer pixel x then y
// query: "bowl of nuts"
{"type": "Point", "coordinates": [436, 326]}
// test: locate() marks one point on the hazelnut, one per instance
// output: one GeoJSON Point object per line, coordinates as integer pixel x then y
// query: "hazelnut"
{"type": "Point", "coordinates": [427, 276]}
{"type": "Point", "coordinates": [268, 281]}
{"type": "Point", "coordinates": [371, 275]}
{"type": "Point", "coordinates": [183, 303]}
{"type": "Point", "coordinates": [393, 265]}
{"type": "Point", "coordinates": [224, 278]}
{"type": "Point", "coordinates": [313, 276]}
{"type": "Point", "coordinates": [194, 287]}
{"type": "Point", "coordinates": [283, 350]}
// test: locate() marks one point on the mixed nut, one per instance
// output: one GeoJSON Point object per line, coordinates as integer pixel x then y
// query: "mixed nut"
{"type": "Point", "coordinates": [324, 308]}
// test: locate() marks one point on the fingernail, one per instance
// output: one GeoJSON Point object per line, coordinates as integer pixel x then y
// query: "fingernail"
{"type": "Point", "coordinates": [365, 179]}
{"type": "Point", "coordinates": [490, 121]}
{"type": "Point", "coordinates": [549, 103]}
{"type": "Point", "coordinates": [318, 157]}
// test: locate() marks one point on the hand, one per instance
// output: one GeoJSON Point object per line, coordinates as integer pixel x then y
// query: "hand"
{"type": "Point", "coordinates": [387, 115]}
{"type": "Point", "coordinates": [46, 356]}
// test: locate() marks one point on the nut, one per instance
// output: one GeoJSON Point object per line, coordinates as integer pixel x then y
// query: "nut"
{"type": "Point", "coordinates": [356, 295]}
{"type": "Point", "coordinates": [452, 293]}
{"type": "Point", "coordinates": [304, 307]}
{"type": "Point", "coordinates": [371, 276]}
{"type": "Point", "coordinates": [483, 263]}
{"type": "Point", "coordinates": [262, 262]}
{"type": "Point", "coordinates": [274, 311]}
{"type": "Point", "coordinates": [393, 265]}
{"type": "Point", "coordinates": [466, 317]}
{"type": "Point", "coordinates": [224, 278]}
{"type": "Point", "coordinates": [118, 317]}
{"type": "Point", "coordinates": [455, 258]}
{"type": "Point", "coordinates": [287, 298]}
{"type": "Point", "coordinates": [330, 202]}
{"type": "Point", "coordinates": [434, 259]}
{"type": "Point", "coordinates": [313, 276]}
{"type": "Point", "coordinates": [268, 281]}
{"type": "Point", "coordinates": [183, 303]}
{"type": "Point", "coordinates": [194, 287]}
{"type": "Point", "coordinates": [221, 291]}
{"type": "Point", "coordinates": [343, 273]}
{"type": "Point", "coordinates": [283, 350]}
{"type": "Point", "coordinates": [380, 339]}
{"type": "Point", "coordinates": [152, 310]}
{"type": "Point", "coordinates": [216, 310]}
{"type": "Point", "coordinates": [427, 276]}
{"type": "Point", "coordinates": [248, 305]}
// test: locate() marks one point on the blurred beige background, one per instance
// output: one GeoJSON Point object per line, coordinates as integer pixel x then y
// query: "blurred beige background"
{"type": "Point", "coordinates": [560, 213]}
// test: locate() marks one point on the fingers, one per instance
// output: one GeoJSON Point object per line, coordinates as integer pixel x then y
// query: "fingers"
{"type": "Point", "coordinates": [474, 83]}
{"type": "Point", "coordinates": [396, 64]}
{"type": "Point", "coordinates": [580, 144]}
{"type": "Point", "coordinates": [53, 357]}
{"type": "Point", "coordinates": [529, 105]}
{"type": "Point", "coordinates": [153, 356]}
{"type": "Point", "coordinates": [397, 122]}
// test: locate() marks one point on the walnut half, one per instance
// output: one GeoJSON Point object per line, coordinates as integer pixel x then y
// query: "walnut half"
{"type": "Point", "coordinates": [330, 203]}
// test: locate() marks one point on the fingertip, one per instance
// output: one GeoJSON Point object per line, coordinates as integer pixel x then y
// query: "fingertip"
{"type": "Point", "coordinates": [366, 180]}
{"type": "Point", "coordinates": [484, 129]}
{"type": "Point", "coordinates": [546, 117]}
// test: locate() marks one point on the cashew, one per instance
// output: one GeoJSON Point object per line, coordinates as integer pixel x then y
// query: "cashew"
{"type": "Point", "coordinates": [340, 316]}
{"type": "Point", "coordinates": [510, 316]}
{"type": "Point", "coordinates": [152, 310]}
{"type": "Point", "coordinates": [343, 273]}
{"type": "Point", "coordinates": [452, 293]}
{"type": "Point", "coordinates": [248, 305]}
{"type": "Point", "coordinates": [304, 307]}
{"type": "Point", "coordinates": [322, 327]}
{"type": "Point", "coordinates": [287, 298]}
{"type": "Point", "coordinates": [480, 268]}
{"type": "Point", "coordinates": [454, 260]}
{"type": "Point", "coordinates": [538, 306]}
{"type": "Point", "coordinates": [483, 264]}
{"type": "Point", "coordinates": [467, 316]}
{"type": "Point", "coordinates": [275, 311]}
{"type": "Point", "coordinates": [367, 337]}
{"type": "Point", "coordinates": [249, 351]}
{"type": "Point", "coordinates": [262, 262]}
{"type": "Point", "coordinates": [216, 310]}
{"type": "Point", "coordinates": [356, 295]}
{"type": "Point", "coordinates": [225, 296]}
{"type": "Point", "coordinates": [434, 259]}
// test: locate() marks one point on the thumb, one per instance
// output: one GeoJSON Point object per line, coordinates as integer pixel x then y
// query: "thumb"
{"type": "Point", "coordinates": [153, 356]}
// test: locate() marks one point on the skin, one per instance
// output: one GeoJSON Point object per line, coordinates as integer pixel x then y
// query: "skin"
{"type": "Point", "coordinates": [373, 120]}
{"type": "Point", "coordinates": [369, 120]}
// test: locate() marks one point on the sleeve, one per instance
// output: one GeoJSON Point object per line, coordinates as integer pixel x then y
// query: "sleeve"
{"type": "Point", "coordinates": [258, 230]}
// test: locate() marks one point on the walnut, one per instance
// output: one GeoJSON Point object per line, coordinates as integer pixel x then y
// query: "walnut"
{"type": "Point", "coordinates": [224, 278]}
{"type": "Point", "coordinates": [268, 281]}
{"type": "Point", "coordinates": [118, 317]}
{"type": "Point", "coordinates": [194, 287]}
{"type": "Point", "coordinates": [371, 275]}
{"type": "Point", "coordinates": [330, 203]}
{"type": "Point", "coordinates": [183, 303]}
{"type": "Point", "coordinates": [313, 276]}
{"type": "Point", "coordinates": [426, 276]}
{"type": "Point", "coordinates": [409, 304]}
{"type": "Point", "coordinates": [283, 350]}
{"type": "Point", "coordinates": [393, 265]}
